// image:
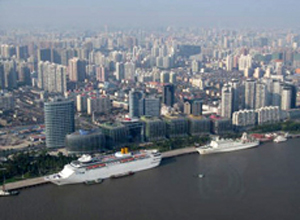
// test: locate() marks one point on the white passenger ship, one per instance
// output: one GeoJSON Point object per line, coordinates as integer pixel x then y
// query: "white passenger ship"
{"type": "Point", "coordinates": [87, 168]}
{"type": "Point", "coordinates": [227, 145]}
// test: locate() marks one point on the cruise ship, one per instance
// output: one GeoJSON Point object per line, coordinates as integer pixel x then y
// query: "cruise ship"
{"type": "Point", "coordinates": [227, 145]}
{"type": "Point", "coordinates": [87, 169]}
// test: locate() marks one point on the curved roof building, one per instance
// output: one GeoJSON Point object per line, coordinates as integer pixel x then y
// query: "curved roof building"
{"type": "Point", "coordinates": [85, 141]}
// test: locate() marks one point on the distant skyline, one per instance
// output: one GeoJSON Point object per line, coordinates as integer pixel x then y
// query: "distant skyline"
{"type": "Point", "coordinates": [120, 13]}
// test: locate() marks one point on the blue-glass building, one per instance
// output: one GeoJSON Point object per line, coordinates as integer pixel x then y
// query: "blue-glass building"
{"type": "Point", "coordinates": [59, 121]}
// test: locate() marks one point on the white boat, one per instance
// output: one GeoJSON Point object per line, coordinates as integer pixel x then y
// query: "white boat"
{"type": "Point", "coordinates": [280, 138]}
{"type": "Point", "coordinates": [122, 163]}
{"type": "Point", "coordinates": [227, 145]}
{"type": "Point", "coordinates": [8, 193]}
{"type": "Point", "coordinates": [200, 175]}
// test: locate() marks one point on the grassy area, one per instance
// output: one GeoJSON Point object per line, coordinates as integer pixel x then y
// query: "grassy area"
{"type": "Point", "coordinates": [27, 165]}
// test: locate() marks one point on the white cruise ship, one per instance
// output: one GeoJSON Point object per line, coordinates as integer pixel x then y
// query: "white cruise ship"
{"type": "Point", "coordinates": [227, 145]}
{"type": "Point", "coordinates": [88, 169]}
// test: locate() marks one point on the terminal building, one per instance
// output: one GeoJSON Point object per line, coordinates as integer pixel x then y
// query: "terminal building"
{"type": "Point", "coordinates": [82, 142]}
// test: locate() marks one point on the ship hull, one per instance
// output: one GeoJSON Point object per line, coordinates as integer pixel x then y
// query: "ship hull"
{"type": "Point", "coordinates": [202, 150]}
{"type": "Point", "coordinates": [111, 170]}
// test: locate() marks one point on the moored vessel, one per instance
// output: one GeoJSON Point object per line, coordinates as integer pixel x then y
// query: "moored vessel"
{"type": "Point", "coordinates": [4, 192]}
{"type": "Point", "coordinates": [122, 163]}
{"type": "Point", "coordinates": [280, 138]}
{"type": "Point", "coordinates": [227, 145]}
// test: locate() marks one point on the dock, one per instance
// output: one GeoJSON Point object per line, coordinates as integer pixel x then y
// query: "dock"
{"type": "Point", "coordinates": [179, 152]}
{"type": "Point", "coordinates": [26, 183]}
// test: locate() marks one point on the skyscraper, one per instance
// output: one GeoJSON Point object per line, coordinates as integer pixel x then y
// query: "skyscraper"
{"type": "Point", "coordinates": [59, 121]}
{"type": "Point", "coordinates": [197, 107]}
{"type": "Point", "coordinates": [101, 73]}
{"type": "Point", "coordinates": [250, 89]}
{"type": "Point", "coordinates": [22, 52]}
{"type": "Point", "coordinates": [2, 77]}
{"type": "Point", "coordinates": [24, 74]}
{"type": "Point", "coordinates": [10, 74]}
{"type": "Point", "coordinates": [261, 95]}
{"type": "Point", "coordinates": [226, 109]}
{"type": "Point", "coordinates": [286, 98]}
{"type": "Point", "coordinates": [151, 107]}
{"type": "Point", "coordinates": [52, 77]}
{"type": "Point", "coordinates": [229, 63]}
{"type": "Point", "coordinates": [236, 93]}
{"type": "Point", "coordinates": [120, 71]}
{"type": "Point", "coordinates": [44, 54]}
{"type": "Point", "coordinates": [135, 103]}
{"type": "Point", "coordinates": [169, 94]}
{"type": "Point", "coordinates": [276, 93]}
{"type": "Point", "coordinates": [77, 70]}
{"type": "Point", "coordinates": [129, 70]}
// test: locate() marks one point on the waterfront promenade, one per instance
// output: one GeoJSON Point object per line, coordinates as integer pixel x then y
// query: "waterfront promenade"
{"type": "Point", "coordinates": [178, 152]}
{"type": "Point", "coordinates": [26, 183]}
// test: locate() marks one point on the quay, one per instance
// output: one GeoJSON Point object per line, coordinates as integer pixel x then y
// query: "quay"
{"type": "Point", "coordinates": [26, 183]}
{"type": "Point", "coordinates": [41, 181]}
{"type": "Point", "coordinates": [179, 152]}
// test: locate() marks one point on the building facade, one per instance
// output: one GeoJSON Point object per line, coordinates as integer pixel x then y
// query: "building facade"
{"type": "Point", "coordinates": [59, 121]}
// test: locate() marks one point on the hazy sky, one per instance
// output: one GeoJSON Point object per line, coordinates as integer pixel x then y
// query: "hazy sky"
{"type": "Point", "coordinates": [89, 13]}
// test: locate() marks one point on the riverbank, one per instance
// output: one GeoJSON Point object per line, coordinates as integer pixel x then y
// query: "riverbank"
{"type": "Point", "coordinates": [167, 154]}
{"type": "Point", "coordinates": [40, 180]}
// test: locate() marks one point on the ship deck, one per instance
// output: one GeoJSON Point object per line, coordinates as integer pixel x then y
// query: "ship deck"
{"type": "Point", "coordinates": [110, 158]}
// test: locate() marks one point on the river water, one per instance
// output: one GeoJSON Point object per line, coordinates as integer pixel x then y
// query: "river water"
{"type": "Point", "coordinates": [259, 183]}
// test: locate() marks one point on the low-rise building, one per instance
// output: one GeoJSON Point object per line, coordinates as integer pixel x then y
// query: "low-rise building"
{"type": "Point", "coordinates": [176, 126]}
{"type": "Point", "coordinates": [198, 125]}
{"type": "Point", "coordinates": [154, 128]}
{"type": "Point", "coordinates": [7, 101]}
{"type": "Point", "coordinates": [244, 119]}
{"type": "Point", "coordinates": [270, 114]}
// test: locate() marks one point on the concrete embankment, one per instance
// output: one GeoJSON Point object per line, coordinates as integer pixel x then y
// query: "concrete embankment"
{"type": "Point", "coordinates": [179, 152]}
{"type": "Point", "coordinates": [26, 183]}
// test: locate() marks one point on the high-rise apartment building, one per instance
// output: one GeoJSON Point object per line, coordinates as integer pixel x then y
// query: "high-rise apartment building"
{"type": "Point", "coordinates": [169, 94]}
{"type": "Point", "coordinates": [250, 89]}
{"type": "Point", "coordinates": [120, 71]}
{"type": "Point", "coordinates": [101, 104]}
{"type": "Point", "coordinates": [10, 74]}
{"type": "Point", "coordinates": [286, 98]}
{"type": "Point", "coordinates": [135, 103]}
{"type": "Point", "coordinates": [129, 70]}
{"type": "Point", "coordinates": [151, 107]}
{"type": "Point", "coordinates": [44, 55]}
{"type": "Point", "coordinates": [226, 109]}
{"type": "Point", "coordinates": [260, 95]}
{"type": "Point", "coordinates": [52, 77]}
{"type": "Point", "coordinates": [77, 70]}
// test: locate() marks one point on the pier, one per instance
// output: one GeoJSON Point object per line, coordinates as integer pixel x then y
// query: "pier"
{"type": "Point", "coordinates": [26, 183]}
{"type": "Point", "coordinates": [179, 152]}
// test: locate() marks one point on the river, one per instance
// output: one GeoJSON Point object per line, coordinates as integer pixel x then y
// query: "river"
{"type": "Point", "coordinates": [259, 183]}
